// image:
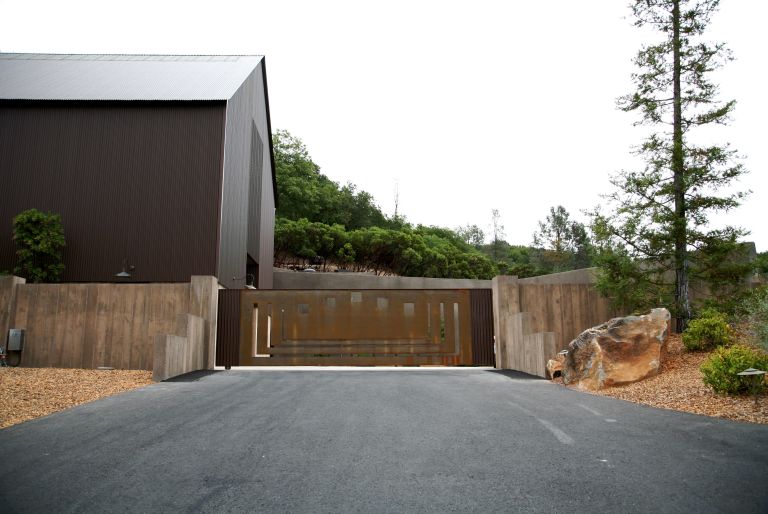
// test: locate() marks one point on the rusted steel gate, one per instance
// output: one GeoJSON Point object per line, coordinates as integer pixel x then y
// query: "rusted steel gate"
{"type": "Point", "coordinates": [355, 328]}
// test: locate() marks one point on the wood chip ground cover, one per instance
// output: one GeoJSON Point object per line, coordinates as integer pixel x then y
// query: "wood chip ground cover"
{"type": "Point", "coordinates": [27, 393]}
{"type": "Point", "coordinates": [679, 387]}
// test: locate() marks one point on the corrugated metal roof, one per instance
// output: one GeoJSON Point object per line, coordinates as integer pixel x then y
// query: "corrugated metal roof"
{"type": "Point", "coordinates": [123, 77]}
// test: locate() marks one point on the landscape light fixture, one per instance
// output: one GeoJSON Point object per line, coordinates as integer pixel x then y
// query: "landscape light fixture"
{"type": "Point", "coordinates": [757, 380]}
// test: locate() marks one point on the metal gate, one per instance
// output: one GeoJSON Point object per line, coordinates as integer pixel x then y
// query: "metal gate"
{"type": "Point", "coordinates": [354, 328]}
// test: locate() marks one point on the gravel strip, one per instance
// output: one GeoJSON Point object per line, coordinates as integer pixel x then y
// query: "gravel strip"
{"type": "Point", "coordinates": [28, 393]}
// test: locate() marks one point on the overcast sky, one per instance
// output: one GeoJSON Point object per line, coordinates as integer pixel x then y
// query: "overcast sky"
{"type": "Point", "coordinates": [461, 106]}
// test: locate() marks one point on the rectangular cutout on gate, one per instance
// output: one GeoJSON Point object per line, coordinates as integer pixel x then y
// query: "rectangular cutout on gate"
{"type": "Point", "coordinates": [382, 303]}
{"type": "Point", "coordinates": [429, 319]}
{"type": "Point", "coordinates": [456, 327]}
{"type": "Point", "coordinates": [255, 331]}
{"type": "Point", "coordinates": [409, 309]}
{"type": "Point", "coordinates": [356, 297]}
{"type": "Point", "coordinates": [442, 322]}
{"type": "Point", "coordinates": [255, 340]}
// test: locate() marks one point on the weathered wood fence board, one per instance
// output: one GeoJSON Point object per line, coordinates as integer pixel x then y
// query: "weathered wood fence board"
{"type": "Point", "coordinates": [565, 309]}
{"type": "Point", "coordinates": [535, 318]}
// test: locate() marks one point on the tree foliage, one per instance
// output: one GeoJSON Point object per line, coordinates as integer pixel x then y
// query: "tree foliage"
{"type": "Point", "coordinates": [304, 192]}
{"type": "Point", "coordinates": [320, 223]}
{"type": "Point", "coordinates": [39, 239]}
{"type": "Point", "coordinates": [472, 235]}
{"type": "Point", "coordinates": [560, 244]}
{"type": "Point", "coordinates": [656, 237]}
{"type": "Point", "coordinates": [751, 314]}
{"type": "Point", "coordinates": [563, 243]}
{"type": "Point", "coordinates": [498, 233]}
{"type": "Point", "coordinates": [523, 261]}
{"type": "Point", "coordinates": [416, 252]}
{"type": "Point", "coordinates": [761, 264]}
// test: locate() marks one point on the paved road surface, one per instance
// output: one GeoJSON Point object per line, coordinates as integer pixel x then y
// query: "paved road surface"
{"type": "Point", "coordinates": [378, 441]}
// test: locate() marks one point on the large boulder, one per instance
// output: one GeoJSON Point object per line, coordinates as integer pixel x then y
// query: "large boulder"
{"type": "Point", "coordinates": [621, 351]}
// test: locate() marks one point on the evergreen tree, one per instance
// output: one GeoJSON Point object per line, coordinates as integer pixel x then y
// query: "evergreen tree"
{"type": "Point", "coordinates": [563, 243]}
{"type": "Point", "coordinates": [656, 237]}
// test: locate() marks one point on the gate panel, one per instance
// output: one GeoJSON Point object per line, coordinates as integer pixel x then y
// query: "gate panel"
{"type": "Point", "coordinates": [482, 327]}
{"type": "Point", "coordinates": [228, 328]}
{"type": "Point", "coordinates": [367, 327]}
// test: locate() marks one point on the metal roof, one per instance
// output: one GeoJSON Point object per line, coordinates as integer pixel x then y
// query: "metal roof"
{"type": "Point", "coordinates": [123, 77]}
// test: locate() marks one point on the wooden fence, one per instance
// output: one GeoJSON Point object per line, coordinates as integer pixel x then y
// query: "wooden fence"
{"type": "Point", "coordinates": [535, 318]}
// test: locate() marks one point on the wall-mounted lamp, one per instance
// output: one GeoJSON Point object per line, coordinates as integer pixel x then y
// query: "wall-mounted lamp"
{"type": "Point", "coordinates": [126, 272]}
{"type": "Point", "coordinates": [250, 279]}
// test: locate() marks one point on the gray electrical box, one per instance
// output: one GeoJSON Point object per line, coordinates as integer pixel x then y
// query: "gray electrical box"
{"type": "Point", "coordinates": [15, 339]}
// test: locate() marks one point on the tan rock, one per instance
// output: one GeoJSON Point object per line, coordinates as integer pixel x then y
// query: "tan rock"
{"type": "Point", "coordinates": [554, 368]}
{"type": "Point", "coordinates": [621, 351]}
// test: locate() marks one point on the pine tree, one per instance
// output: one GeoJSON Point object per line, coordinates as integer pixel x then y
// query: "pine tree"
{"type": "Point", "coordinates": [656, 238]}
{"type": "Point", "coordinates": [562, 243]}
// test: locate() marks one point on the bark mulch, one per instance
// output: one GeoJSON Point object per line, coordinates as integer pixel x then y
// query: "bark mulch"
{"type": "Point", "coordinates": [679, 387]}
{"type": "Point", "coordinates": [27, 393]}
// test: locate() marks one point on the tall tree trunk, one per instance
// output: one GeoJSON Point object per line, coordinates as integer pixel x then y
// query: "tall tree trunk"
{"type": "Point", "coordinates": [679, 226]}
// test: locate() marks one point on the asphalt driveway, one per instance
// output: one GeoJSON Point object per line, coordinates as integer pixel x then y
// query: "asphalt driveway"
{"type": "Point", "coordinates": [456, 440]}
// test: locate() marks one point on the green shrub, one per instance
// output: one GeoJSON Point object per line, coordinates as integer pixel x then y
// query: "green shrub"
{"type": "Point", "coordinates": [720, 369]}
{"type": "Point", "coordinates": [39, 238]}
{"type": "Point", "coordinates": [707, 331]}
{"type": "Point", "coordinates": [752, 314]}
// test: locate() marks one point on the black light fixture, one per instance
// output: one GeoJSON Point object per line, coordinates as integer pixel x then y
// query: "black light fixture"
{"type": "Point", "coordinates": [249, 280]}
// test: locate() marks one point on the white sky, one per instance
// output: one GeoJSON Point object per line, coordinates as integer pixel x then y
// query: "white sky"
{"type": "Point", "coordinates": [466, 106]}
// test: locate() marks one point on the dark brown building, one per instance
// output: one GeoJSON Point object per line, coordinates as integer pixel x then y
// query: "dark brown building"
{"type": "Point", "coordinates": [163, 162]}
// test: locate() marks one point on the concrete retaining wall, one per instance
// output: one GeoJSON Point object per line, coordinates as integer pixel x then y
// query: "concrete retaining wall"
{"type": "Point", "coordinates": [579, 276]}
{"type": "Point", "coordinates": [307, 281]}
{"type": "Point", "coordinates": [114, 325]}
{"type": "Point", "coordinates": [182, 352]}
{"type": "Point", "coordinates": [534, 318]}
{"type": "Point", "coordinates": [8, 285]}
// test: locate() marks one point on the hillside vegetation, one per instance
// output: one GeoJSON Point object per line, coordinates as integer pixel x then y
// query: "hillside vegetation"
{"type": "Point", "coordinates": [329, 226]}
